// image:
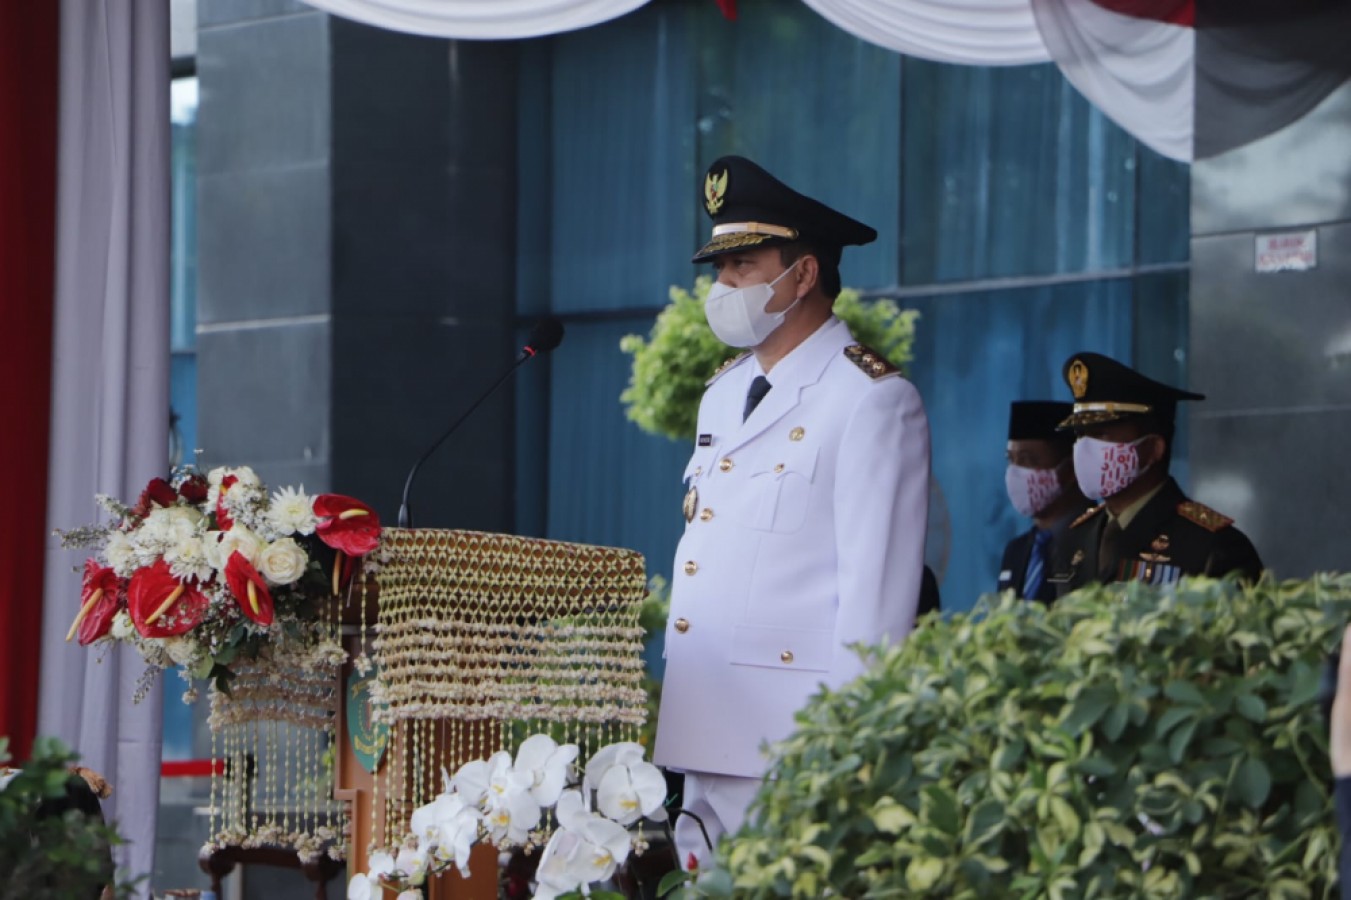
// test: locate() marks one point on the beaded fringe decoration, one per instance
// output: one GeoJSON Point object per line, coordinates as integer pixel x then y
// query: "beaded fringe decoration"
{"type": "Point", "coordinates": [485, 639]}
{"type": "Point", "coordinates": [273, 738]}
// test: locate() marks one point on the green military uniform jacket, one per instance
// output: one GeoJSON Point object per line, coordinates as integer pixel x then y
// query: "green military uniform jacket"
{"type": "Point", "coordinates": [1169, 537]}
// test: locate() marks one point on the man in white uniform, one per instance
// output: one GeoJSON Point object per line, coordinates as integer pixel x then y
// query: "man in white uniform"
{"type": "Point", "coordinates": [806, 500]}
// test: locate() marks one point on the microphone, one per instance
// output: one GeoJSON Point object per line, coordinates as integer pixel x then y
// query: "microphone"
{"type": "Point", "coordinates": [544, 336]}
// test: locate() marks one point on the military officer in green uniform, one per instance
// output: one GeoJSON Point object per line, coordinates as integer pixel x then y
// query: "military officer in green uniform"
{"type": "Point", "coordinates": [1145, 528]}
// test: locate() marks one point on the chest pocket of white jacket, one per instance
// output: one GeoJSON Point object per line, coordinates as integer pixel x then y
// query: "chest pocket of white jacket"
{"type": "Point", "coordinates": [780, 487]}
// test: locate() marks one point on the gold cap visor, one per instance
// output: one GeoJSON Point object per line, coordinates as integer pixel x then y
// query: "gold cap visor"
{"type": "Point", "coordinates": [740, 235]}
{"type": "Point", "coordinates": [1086, 414]}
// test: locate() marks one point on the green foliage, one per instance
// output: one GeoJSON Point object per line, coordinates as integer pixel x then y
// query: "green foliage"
{"type": "Point", "coordinates": [671, 367]}
{"type": "Point", "coordinates": [49, 857]}
{"type": "Point", "coordinates": [1126, 742]}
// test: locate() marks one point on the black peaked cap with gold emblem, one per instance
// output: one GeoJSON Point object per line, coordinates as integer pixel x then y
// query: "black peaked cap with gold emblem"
{"type": "Point", "coordinates": [1037, 420]}
{"type": "Point", "coordinates": [1105, 391]}
{"type": "Point", "coordinates": [751, 208]}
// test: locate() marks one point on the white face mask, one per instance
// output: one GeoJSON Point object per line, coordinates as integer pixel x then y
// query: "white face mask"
{"type": "Point", "coordinates": [1103, 468]}
{"type": "Point", "coordinates": [737, 315]}
{"type": "Point", "coordinates": [1032, 490]}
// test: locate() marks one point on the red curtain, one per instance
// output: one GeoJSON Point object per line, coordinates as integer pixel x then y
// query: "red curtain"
{"type": "Point", "coordinates": [29, 41]}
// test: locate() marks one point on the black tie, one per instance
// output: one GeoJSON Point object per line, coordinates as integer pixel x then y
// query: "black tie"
{"type": "Point", "coordinates": [759, 387]}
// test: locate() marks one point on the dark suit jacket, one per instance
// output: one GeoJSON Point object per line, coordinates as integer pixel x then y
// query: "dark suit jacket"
{"type": "Point", "coordinates": [1167, 539]}
{"type": "Point", "coordinates": [1013, 567]}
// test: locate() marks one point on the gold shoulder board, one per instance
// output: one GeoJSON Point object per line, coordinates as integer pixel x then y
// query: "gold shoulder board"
{"type": "Point", "coordinates": [727, 365]}
{"type": "Point", "coordinates": [1203, 515]}
{"type": "Point", "coordinates": [873, 364]}
{"type": "Point", "coordinates": [1088, 515]}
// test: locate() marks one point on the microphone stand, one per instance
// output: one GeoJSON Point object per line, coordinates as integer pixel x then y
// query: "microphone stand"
{"type": "Point", "coordinates": [405, 515]}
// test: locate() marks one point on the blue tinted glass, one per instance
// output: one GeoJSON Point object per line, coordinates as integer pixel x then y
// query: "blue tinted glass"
{"type": "Point", "coordinates": [609, 483]}
{"type": "Point", "coordinates": [183, 234]}
{"type": "Point", "coordinates": [621, 173]}
{"type": "Point", "coordinates": [1164, 226]}
{"type": "Point", "coordinates": [975, 353]}
{"type": "Point", "coordinates": [1009, 171]}
{"type": "Point", "coordinates": [814, 105]}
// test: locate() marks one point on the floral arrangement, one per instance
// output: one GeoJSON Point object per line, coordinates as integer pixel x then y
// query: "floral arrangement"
{"type": "Point", "coordinates": [504, 801]}
{"type": "Point", "coordinates": [671, 366]}
{"type": "Point", "coordinates": [208, 569]}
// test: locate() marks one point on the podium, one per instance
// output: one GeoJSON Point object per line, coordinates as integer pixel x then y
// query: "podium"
{"type": "Point", "coordinates": [464, 643]}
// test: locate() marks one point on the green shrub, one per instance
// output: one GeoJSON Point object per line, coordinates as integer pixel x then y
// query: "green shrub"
{"type": "Point", "coordinates": [671, 367]}
{"type": "Point", "coordinates": [50, 857]}
{"type": "Point", "coordinates": [1126, 742]}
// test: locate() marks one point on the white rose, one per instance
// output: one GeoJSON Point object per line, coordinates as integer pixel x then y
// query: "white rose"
{"type": "Point", "coordinates": [123, 628]}
{"type": "Point", "coordinates": [181, 650]}
{"type": "Point", "coordinates": [227, 542]}
{"type": "Point", "coordinates": [283, 561]}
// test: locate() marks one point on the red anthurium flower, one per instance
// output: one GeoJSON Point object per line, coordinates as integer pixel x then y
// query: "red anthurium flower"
{"type": "Point", "coordinates": [157, 493]}
{"type": "Point", "coordinates": [161, 605]}
{"type": "Point", "coordinates": [348, 525]}
{"type": "Point", "coordinates": [223, 520]}
{"type": "Point", "coordinates": [193, 489]}
{"type": "Point", "coordinates": [249, 588]}
{"type": "Point", "coordinates": [98, 603]}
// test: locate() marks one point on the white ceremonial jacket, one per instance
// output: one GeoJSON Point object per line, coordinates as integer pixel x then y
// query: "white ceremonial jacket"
{"type": "Point", "coordinates": [807, 534]}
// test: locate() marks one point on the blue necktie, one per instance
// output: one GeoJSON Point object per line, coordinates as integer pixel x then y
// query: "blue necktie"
{"type": "Point", "coordinates": [759, 387]}
{"type": "Point", "coordinates": [1036, 564]}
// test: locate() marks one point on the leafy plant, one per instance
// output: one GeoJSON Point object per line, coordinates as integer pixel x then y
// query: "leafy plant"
{"type": "Point", "coordinates": [671, 367]}
{"type": "Point", "coordinates": [50, 850]}
{"type": "Point", "coordinates": [1126, 742]}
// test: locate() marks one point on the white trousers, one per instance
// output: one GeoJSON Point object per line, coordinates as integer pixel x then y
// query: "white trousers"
{"type": "Point", "coordinates": [720, 802]}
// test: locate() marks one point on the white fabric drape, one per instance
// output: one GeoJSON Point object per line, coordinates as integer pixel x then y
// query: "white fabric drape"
{"type": "Point", "coordinates": [110, 379]}
{"type": "Point", "coordinates": [970, 32]}
{"type": "Point", "coordinates": [480, 19]}
{"type": "Point", "coordinates": [1139, 72]}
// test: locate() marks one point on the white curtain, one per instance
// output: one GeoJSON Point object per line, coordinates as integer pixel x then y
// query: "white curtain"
{"type": "Point", "coordinates": [1140, 72]}
{"type": "Point", "coordinates": [970, 32]}
{"type": "Point", "coordinates": [110, 382]}
{"type": "Point", "coordinates": [480, 19]}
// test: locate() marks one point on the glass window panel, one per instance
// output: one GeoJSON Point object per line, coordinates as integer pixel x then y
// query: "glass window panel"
{"type": "Point", "coordinates": [1009, 171]}
{"type": "Point", "coordinates": [609, 482]}
{"type": "Point", "coordinates": [975, 353]}
{"type": "Point", "coordinates": [816, 106]}
{"type": "Point", "coordinates": [1164, 226]}
{"type": "Point", "coordinates": [183, 239]}
{"type": "Point", "coordinates": [622, 172]}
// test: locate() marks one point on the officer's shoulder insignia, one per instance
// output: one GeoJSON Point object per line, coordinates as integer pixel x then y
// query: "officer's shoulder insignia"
{"type": "Point", "coordinates": [722, 369]}
{"type": "Point", "coordinates": [1088, 515]}
{"type": "Point", "coordinates": [1203, 515]}
{"type": "Point", "coordinates": [873, 364]}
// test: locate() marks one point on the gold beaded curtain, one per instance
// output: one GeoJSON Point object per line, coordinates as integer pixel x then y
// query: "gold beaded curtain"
{"type": "Point", "coordinates": [274, 734]}
{"type": "Point", "coordinates": [485, 639]}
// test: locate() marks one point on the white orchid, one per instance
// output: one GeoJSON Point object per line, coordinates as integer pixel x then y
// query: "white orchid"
{"type": "Point", "coordinates": [586, 848]}
{"type": "Point", "coordinates": [544, 765]}
{"type": "Point", "coordinates": [411, 865]}
{"type": "Point", "coordinates": [367, 886]}
{"type": "Point", "coordinates": [627, 787]}
{"type": "Point", "coordinates": [449, 827]}
{"type": "Point", "coordinates": [504, 796]}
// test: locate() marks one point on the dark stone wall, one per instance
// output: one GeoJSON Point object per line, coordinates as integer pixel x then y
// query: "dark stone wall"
{"type": "Point", "coordinates": [356, 226]}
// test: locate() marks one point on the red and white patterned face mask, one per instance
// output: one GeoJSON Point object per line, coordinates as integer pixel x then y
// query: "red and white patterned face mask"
{"type": "Point", "coordinates": [1103, 468]}
{"type": "Point", "coordinates": [1032, 490]}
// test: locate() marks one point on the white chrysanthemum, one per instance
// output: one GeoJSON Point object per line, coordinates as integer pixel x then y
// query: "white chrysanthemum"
{"type": "Point", "coordinates": [292, 511]}
{"type": "Point", "coordinates": [188, 559]}
{"type": "Point", "coordinates": [120, 553]}
{"type": "Point", "coordinates": [123, 627]}
{"type": "Point", "coordinates": [282, 561]}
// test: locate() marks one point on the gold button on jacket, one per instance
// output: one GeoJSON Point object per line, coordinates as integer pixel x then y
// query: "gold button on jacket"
{"type": "Point", "coordinates": [786, 656]}
{"type": "Point", "coordinates": [682, 625]}
{"type": "Point", "coordinates": [691, 567]}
